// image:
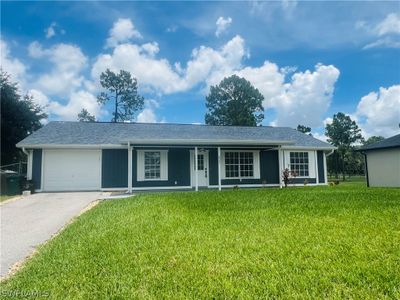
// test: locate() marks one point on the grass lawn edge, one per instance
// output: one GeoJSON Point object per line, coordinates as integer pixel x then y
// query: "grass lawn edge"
{"type": "Point", "coordinates": [19, 265]}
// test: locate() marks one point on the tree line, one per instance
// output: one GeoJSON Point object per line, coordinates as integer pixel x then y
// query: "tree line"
{"type": "Point", "coordinates": [232, 102]}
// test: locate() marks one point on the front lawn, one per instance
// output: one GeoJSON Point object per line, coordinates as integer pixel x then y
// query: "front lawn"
{"type": "Point", "coordinates": [312, 242]}
{"type": "Point", "coordinates": [5, 197]}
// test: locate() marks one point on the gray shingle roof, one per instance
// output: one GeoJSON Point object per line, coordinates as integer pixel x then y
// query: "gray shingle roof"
{"type": "Point", "coordinates": [392, 142]}
{"type": "Point", "coordinates": [81, 133]}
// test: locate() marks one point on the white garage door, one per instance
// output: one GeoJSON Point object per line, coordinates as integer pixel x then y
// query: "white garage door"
{"type": "Point", "coordinates": [71, 170]}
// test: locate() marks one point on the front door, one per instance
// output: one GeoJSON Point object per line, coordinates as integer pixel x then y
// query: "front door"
{"type": "Point", "coordinates": [202, 168]}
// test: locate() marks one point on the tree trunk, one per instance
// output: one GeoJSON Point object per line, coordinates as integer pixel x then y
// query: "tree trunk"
{"type": "Point", "coordinates": [336, 164]}
{"type": "Point", "coordinates": [343, 171]}
{"type": "Point", "coordinates": [116, 107]}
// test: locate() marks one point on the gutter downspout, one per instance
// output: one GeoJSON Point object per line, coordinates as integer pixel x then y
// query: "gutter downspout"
{"type": "Point", "coordinates": [330, 153]}
{"type": "Point", "coordinates": [129, 168]}
{"type": "Point", "coordinates": [24, 150]}
{"type": "Point", "coordinates": [219, 168]}
{"type": "Point", "coordinates": [29, 163]}
{"type": "Point", "coordinates": [280, 164]}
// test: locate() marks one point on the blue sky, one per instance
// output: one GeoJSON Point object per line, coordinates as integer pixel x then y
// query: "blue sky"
{"type": "Point", "coordinates": [309, 59]}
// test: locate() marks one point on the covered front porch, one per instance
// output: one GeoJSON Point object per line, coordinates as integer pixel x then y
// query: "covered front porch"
{"type": "Point", "coordinates": [162, 167]}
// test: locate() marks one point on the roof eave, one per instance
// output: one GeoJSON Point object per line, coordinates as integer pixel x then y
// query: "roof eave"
{"type": "Point", "coordinates": [377, 148]}
{"type": "Point", "coordinates": [123, 143]}
{"type": "Point", "coordinates": [69, 146]}
{"type": "Point", "coordinates": [206, 142]}
{"type": "Point", "coordinates": [294, 147]}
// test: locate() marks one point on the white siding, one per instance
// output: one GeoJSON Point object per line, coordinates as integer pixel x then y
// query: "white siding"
{"type": "Point", "coordinates": [384, 167]}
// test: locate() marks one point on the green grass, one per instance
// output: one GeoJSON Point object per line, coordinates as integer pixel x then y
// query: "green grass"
{"type": "Point", "coordinates": [5, 197]}
{"type": "Point", "coordinates": [356, 178]}
{"type": "Point", "coordinates": [303, 243]}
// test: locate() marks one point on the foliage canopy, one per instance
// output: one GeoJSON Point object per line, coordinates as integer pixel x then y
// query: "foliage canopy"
{"type": "Point", "coordinates": [20, 116]}
{"type": "Point", "coordinates": [122, 88]}
{"type": "Point", "coordinates": [234, 102]}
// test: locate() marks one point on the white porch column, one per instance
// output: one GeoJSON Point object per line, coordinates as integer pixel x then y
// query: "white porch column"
{"type": "Point", "coordinates": [325, 169]}
{"type": "Point", "coordinates": [129, 168]}
{"type": "Point", "coordinates": [280, 158]}
{"type": "Point", "coordinates": [196, 175]}
{"type": "Point", "coordinates": [29, 166]}
{"type": "Point", "coordinates": [316, 167]}
{"type": "Point", "coordinates": [219, 168]}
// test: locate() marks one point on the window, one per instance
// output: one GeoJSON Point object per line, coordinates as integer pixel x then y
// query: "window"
{"type": "Point", "coordinates": [152, 165]}
{"type": "Point", "coordinates": [239, 164]}
{"type": "Point", "coordinates": [246, 164]}
{"type": "Point", "coordinates": [299, 163]}
{"type": "Point", "coordinates": [200, 162]}
{"type": "Point", "coordinates": [231, 164]}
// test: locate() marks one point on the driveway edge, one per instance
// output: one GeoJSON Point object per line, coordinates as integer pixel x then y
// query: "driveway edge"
{"type": "Point", "coordinates": [19, 265]}
{"type": "Point", "coordinates": [16, 198]}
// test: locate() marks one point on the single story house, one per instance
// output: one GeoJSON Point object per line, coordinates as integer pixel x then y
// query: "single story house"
{"type": "Point", "coordinates": [382, 162]}
{"type": "Point", "coordinates": [80, 156]}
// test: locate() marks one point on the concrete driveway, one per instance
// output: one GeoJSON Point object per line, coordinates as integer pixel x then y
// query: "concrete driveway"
{"type": "Point", "coordinates": [30, 221]}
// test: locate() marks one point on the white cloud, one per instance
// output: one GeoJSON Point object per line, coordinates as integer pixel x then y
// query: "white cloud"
{"type": "Point", "coordinates": [327, 121]}
{"type": "Point", "coordinates": [69, 111]}
{"type": "Point", "coordinates": [386, 42]}
{"type": "Point", "coordinates": [50, 31]}
{"type": "Point", "coordinates": [268, 79]}
{"type": "Point", "coordinates": [302, 100]}
{"type": "Point", "coordinates": [386, 31]}
{"type": "Point", "coordinates": [152, 103]}
{"type": "Point", "coordinates": [222, 25]}
{"type": "Point", "coordinates": [320, 136]}
{"type": "Point", "coordinates": [40, 98]}
{"type": "Point", "coordinates": [268, 9]}
{"type": "Point", "coordinates": [378, 113]}
{"type": "Point", "coordinates": [151, 48]}
{"type": "Point", "coordinates": [147, 116]}
{"type": "Point", "coordinates": [67, 61]}
{"type": "Point", "coordinates": [15, 68]}
{"type": "Point", "coordinates": [157, 74]}
{"type": "Point", "coordinates": [152, 73]}
{"type": "Point", "coordinates": [77, 101]}
{"type": "Point", "coordinates": [122, 31]}
{"type": "Point", "coordinates": [35, 50]}
{"type": "Point", "coordinates": [391, 24]}
{"type": "Point", "coordinates": [64, 80]}
{"type": "Point", "coordinates": [210, 65]}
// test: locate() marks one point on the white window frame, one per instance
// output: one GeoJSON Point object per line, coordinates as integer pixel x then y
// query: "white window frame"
{"type": "Point", "coordinates": [311, 162]}
{"type": "Point", "coordinates": [256, 164]}
{"type": "Point", "coordinates": [163, 165]}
